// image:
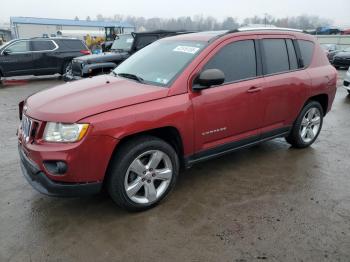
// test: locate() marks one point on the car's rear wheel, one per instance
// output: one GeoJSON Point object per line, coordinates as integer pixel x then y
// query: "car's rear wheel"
{"type": "Point", "coordinates": [307, 127]}
{"type": "Point", "coordinates": [142, 173]}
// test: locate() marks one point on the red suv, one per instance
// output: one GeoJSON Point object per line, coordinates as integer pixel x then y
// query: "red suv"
{"type": "Point", "coordinates": [177, 102]}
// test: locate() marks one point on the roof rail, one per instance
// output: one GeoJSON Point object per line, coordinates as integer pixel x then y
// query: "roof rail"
{"type": "Point", "coordinates": [245, 29]}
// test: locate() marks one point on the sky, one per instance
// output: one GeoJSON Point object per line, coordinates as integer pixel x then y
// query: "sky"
{"type": "Point", "coordinates": [336, 10]}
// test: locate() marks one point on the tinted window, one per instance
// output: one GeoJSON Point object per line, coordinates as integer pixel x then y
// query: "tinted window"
{"type": "Point", "coordinates": [19, 47]}
{"type": "Point", "coordinates": [293, 62]}
{"type": "Point", "coordinates": [71, 44]}
{"type": "Point", "coordinates": [143, 41]}
{"type": "Point", "coordinates": [306, 50]}
{"type": "Point", "coordinates": [236, 60]}
{"type": "Point", "coordinates": [38, 45]}
{"type": "Point", "coordinates": [276, 56]}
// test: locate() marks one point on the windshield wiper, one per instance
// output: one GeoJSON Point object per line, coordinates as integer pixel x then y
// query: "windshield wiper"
{"type": "Point", "coordinates": [131, 76]}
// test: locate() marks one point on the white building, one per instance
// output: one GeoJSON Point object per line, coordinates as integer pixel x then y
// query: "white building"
{"type": "Point", "coordinates": [27, 27]}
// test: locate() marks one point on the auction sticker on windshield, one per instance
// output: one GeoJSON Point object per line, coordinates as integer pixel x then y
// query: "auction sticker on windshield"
{"type": "Point", "coordinates": [186, 49]}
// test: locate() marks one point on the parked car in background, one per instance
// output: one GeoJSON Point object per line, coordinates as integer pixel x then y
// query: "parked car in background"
{"type": "Point", "coordinates": [123, 46]}
{"type": "Point", "coordinates": [175, 103]}
{"type": "Point", "coordinates": [39, 56]}
{"type": "Point", "coordinates": [330, 50]}
{"type": "Point", "coordinates": [342, 58]}
{"type": "Point", "coordinates": [347, 81]}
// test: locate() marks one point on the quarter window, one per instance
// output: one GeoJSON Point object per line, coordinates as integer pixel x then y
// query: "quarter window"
{"type": "Point", "coordinates": [306, 50]}
{"type": "Point", "coordinates": [275, 56]}
{"type": "Point", "coordinates": [43, 45]}
{"type": "Point", "coordinates": [19, 47]}
{"type": "Point", "coordinates": [237, 60]}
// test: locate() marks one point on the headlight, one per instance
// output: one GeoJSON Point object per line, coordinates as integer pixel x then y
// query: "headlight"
{"type": "Point", "coordinates": [59, 132]}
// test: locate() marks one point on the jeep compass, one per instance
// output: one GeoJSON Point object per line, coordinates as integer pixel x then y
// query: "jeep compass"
{"type": "Point", "coordinates": [177, 102]}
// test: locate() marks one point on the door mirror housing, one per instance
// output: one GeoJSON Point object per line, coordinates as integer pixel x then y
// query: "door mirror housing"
{"type": "Point", "coordinates": [6, 52]}
{"type": "Point", "coordinates": [208, 78]}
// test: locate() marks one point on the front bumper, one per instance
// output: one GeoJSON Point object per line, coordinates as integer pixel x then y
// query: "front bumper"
{"type": "Point", "coordinates": [45, 185]}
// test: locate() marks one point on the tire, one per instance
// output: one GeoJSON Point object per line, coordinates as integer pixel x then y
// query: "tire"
{"type": "Point", "coordinates": [131, 167]}
{"type": "Point", "coordinates": [349, 92]}
{"type": "Point", "coordinates": [305, 130]}
{"type": "Point", "coordinates": [67, 66]}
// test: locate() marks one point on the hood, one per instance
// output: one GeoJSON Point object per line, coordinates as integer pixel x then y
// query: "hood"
{"type": "Point", "coordinates": [71, 102]}
{"type": "Point", "coordinates": [104, 57]}
{"type": "Point", "coordinates": [343, 54]}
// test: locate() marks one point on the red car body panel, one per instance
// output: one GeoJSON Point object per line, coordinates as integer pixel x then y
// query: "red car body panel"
{"type": "Point", "coordinates": [117, 108]}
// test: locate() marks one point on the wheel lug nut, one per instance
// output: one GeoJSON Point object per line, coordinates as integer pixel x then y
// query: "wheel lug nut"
{"type": "Point", "coordinates": [153, 175]}
{"type": "Point", "coordinates": [149, 181]}
{"type": "Point", "coordinates": [143, 179]}
{"type": "Point", "coordinates": [144, 172]}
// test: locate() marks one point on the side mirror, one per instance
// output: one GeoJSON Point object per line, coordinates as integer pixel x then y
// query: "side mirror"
{"type": "Point", "coordinates": [208, 78]}
{"type": "Point", "coordinates": [6, 52]}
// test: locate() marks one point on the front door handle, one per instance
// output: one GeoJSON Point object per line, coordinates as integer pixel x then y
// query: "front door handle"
{"type": "Point", "coordinates": [254, 89]}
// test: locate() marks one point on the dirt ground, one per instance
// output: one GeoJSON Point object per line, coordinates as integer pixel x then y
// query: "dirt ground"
{"type": "Point", "coordinates": [269, 203]}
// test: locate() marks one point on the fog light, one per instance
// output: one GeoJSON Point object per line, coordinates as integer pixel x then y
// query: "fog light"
{"type": "Point", "coordinates": [56, 167]}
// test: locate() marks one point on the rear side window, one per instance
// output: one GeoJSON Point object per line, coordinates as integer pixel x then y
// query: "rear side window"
{"type": "Point", "coordinates": [275, 56]}
{"type": "Point", "coordinates": [237, 60]}
{"type": "Point", "coordinates": [306, 50]}
{"type": "Point", "coordinates": [293, 62]}
{"type": "Point", "coordinates": [143, 41]}
{"type": "Point", "coordinates": [72, 45]}
{"type": "Point", "coordinates": [38, 45]}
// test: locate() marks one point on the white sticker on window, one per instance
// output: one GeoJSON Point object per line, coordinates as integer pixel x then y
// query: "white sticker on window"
{"type": "Point", "coordinates": [186, 49]}
{"type": "Point", "coordinates": [129, 40]}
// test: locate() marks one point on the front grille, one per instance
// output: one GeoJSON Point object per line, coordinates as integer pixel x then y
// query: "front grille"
{"type": "Point", "coordinates": [28, 128]}
{"type": "Point", "coordinates": [26, 125]}
{"type": "Point", "coordinates": [76, 68]}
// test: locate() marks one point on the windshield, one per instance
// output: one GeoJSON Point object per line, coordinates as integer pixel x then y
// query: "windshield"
{"type": "Point", "coordinates": [160, 62]}
{"type": "Point", "coordinates": [123, 42]}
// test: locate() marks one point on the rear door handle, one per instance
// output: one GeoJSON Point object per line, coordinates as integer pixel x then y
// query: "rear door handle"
{"type": "Point", "coordinates": [254, 89]}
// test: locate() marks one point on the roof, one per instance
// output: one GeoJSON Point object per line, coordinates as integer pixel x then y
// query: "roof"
{"type": "Point", "coordinates": [211, 35]}
{"type": "Point", "coordinates": [66, 22]}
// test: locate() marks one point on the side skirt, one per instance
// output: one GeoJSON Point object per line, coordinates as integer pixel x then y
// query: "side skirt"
{"type": "Point", "coordinates": [233, 146]}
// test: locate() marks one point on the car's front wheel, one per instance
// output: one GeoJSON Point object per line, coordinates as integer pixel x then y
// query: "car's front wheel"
{"type": "Point", "coordinates": [142, 173]}
{"type": "Point", "coordinates": [307, 127]}
{"type": "Point", "coordinates": [67, 68]}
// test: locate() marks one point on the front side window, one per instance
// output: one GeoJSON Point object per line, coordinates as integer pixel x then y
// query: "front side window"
{"type": "Point", "coordinates": [42, 45]}
{"type": "Point", "coordinates": [160, 62]}
{"type": "Point", "coordinates": [275, 56]}
{"type": "Point", "coordinates": [237, 60]}
{"type": "Point", "coordinates": [19, 47]}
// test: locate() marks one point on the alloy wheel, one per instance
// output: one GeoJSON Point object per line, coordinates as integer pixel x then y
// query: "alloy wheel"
{"type": "Point", "coordinates": [310, 125]}
{"type": "Point", "coordinates": [148, 177]}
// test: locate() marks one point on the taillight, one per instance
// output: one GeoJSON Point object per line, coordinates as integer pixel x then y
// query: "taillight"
{"type": "Point", "coordinates": [85, 52]}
